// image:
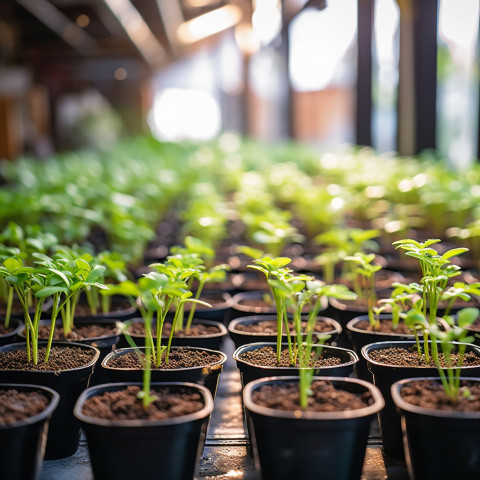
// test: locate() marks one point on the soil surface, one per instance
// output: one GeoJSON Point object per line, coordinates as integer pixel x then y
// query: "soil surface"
{"type": "Point", "coordinates": [196, 330]}
{"type": "Point", "coordinates": [124, 404]}
{"type": "Point", "coordinates": [61, 358]}
{"type": "Point", "coordinates": [409, 358]}
{"type": "Point", "coordinates": [4, 329]}
{"type": "Point", "coordinates": [179, 358]}
{"type": "Point", "coordinates": [385, 326]}
{"type": "Point", "coordinates": [431, 394]}
{"type": "Point", "coordinates": [80, 332]}
{"type": "Point", "coordinates": [267, 357]}
{"type": "Point", "coordinates": [270, 327]}
{"type": "Point", "coordinates": [325, 398]}
{"type": "Point", "coordinates": [16, 406]}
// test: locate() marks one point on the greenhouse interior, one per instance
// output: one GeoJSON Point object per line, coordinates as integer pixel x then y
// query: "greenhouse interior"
{"type": "Point", "coordinates": [239, 239]}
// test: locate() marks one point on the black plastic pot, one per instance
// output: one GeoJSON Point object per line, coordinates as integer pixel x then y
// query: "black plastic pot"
{"type": "Point", "coordinates": [346, 310]}
{"type": "Point", "coordinates": [240, 337]}
{"type": "Point", "coordinates": [23, 443]}
{"type": "Point", "coordinates": [220, 311]}
{"type": "Point", "coordinates": [169, 448]}
{"type": "Point", "coordinates": [119, 311]}
{"type": "Point", "coordinates": [361, 337]}
{"type": "Point", "coordinates": [384, 376]}
{"type": "Point", "coordinates": [438, 444]}
{"type": "Point", "coordinates": [250, 372]}
{"type": "Point", "coordinates": [243, 304]}
{"type": "Point", "coordinates": [64, 430]}
{"type": "Point", "coordinates": [212, 341]}
{"type": "Point", "coordinates": [104, 344]}
{"type": "Point", "coordinates": [328, 445]}
{"type": "Point", "coordinates": [206, 376]}
{"type": "Point", "coordinates": [12, 337]}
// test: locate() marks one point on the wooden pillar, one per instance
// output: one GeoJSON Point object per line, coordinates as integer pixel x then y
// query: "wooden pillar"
{"type": "Point", "coordinates": [417, 90]}
{"type": "Point", "coordinates": [11, 142]}
{"type": "Point", "coordinates": [363, 113]}
{"type": "Point", "coordinates": [425, 40]}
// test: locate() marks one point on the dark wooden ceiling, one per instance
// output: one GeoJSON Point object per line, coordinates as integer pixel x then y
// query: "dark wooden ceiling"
{"type": "Point", "coordinates": [102, 45]}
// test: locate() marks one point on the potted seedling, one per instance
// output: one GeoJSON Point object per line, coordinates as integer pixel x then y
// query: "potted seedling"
{"type": "Point", "coordinates": [392, 361]}
{"type": "Point", "coordinates": [324, 416]}
{"type": "Point", "coordinates": [25, 412]}
{"type": "Point", "coordinates": [441, 415]}
{"type": "Point", "coordinates": [156, 293]}
{"type": "Point", "coordinates": [159, 416]}
{"type": "Point", "coordinates": [65, 367]}
{"type": "Point", "coordinates": [298, 292]}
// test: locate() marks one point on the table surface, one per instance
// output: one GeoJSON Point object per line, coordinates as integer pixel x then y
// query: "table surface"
{"type": "Point", "coordinates": [227, 454]}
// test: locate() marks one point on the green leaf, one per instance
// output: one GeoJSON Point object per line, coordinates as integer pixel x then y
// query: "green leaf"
{"type": "Point", "coordinates": [83, 265]}
{"type": "Point", "coordinates": [49, 291]}
{"type": "Point", "coordinates": [12, 264]}
{"type": "Point", "coordinates": [467, 316]}
{"type": "Point", "coordinates": [61, 275]}
{"type": "Point", "coordinates": [96, 274]}
{"type": "Point", "coordinates": [454, 252]}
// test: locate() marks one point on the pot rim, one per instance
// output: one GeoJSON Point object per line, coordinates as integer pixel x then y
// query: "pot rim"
{"type": "Point", "coordinates": [384, 316]}
{"type": "Point", "coordinates": [238, 351]}
{"type": "Point", "coordinates": [223, 329]}
{"type": "Point", "coordinates": [220, 362]}
{"type": "Point", "coordinates": [409, 407]}
{"type": "Point", "coordinates": [52, 404]}
{"type": "Point", "coordinates": [142, 423]}
{"type": "Point", "coordinates": [389, 343]}
{"type": "Point", "coordinates": [336, 327]}
{"type": "Point", "coordinates": [111, 315]}
{"type": "Point", "coordinates": [377, 405]}
{"type": "Point", "coordinates": [253, 294]}
{"type": "Point", "coordinates": [54, 344]}
{"type": "Point", "coordinates": [17, 329]}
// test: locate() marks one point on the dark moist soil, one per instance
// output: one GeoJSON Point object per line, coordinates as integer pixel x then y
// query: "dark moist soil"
{"type": "Point", "coordinates": [80, 332]}
{"type": "Point", "coordinates": [270, 327]}
{"type": "Point", "coordinates": [431, 394]}
{"type": "Point", "coordinates": [267, 357]}
{"type": "Point", "coordinates": [4, 330]}
{"type": "Point", "coordinates": [409, 358]}
{"type": "Point", "coordinates": [61, 358]}
{"type": "Point", "coordinates": [16, 406]}
{"type": "Point", "coordinates": [124, 405]}
{"type": "Point", "coordinates": [196, 330]}
{"type": "Point", "coordinates": [179, 358]}
{"type": "Point", "coordinates": [325, 398]}
{"type": "Point", "coordinates": [385, 326]}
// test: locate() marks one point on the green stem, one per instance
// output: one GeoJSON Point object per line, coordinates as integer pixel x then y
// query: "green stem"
{"type": "Point", "coordinates": [8, 313]}
{"type": "Point", "coordinates": [56, 302]}
{"type": "Point", "coordinates": [170, 338]}
{"type": "Point", "coordinates": [279, 325]}
{"type": "Point", "coordinates": [194, 305]}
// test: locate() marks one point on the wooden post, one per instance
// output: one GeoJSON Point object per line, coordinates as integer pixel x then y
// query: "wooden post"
{"type": "Point", "coordinates": [363, 114]}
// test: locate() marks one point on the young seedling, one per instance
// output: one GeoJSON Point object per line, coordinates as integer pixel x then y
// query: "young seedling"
{"type": "Point", "coordinates": [278, 276]}
{"type": "Point", "coordinates": [436, 270]}
{"type": "Point", "coordinates": [364, 281]}
{"type": "Point", "coordinates": [456, 337]}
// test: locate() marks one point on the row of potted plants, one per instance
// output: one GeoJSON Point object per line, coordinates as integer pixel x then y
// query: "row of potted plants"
{"type": "Point", "coordinates": [168, 285]}
{"type": "Point", "coordinates": [229, 193]}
